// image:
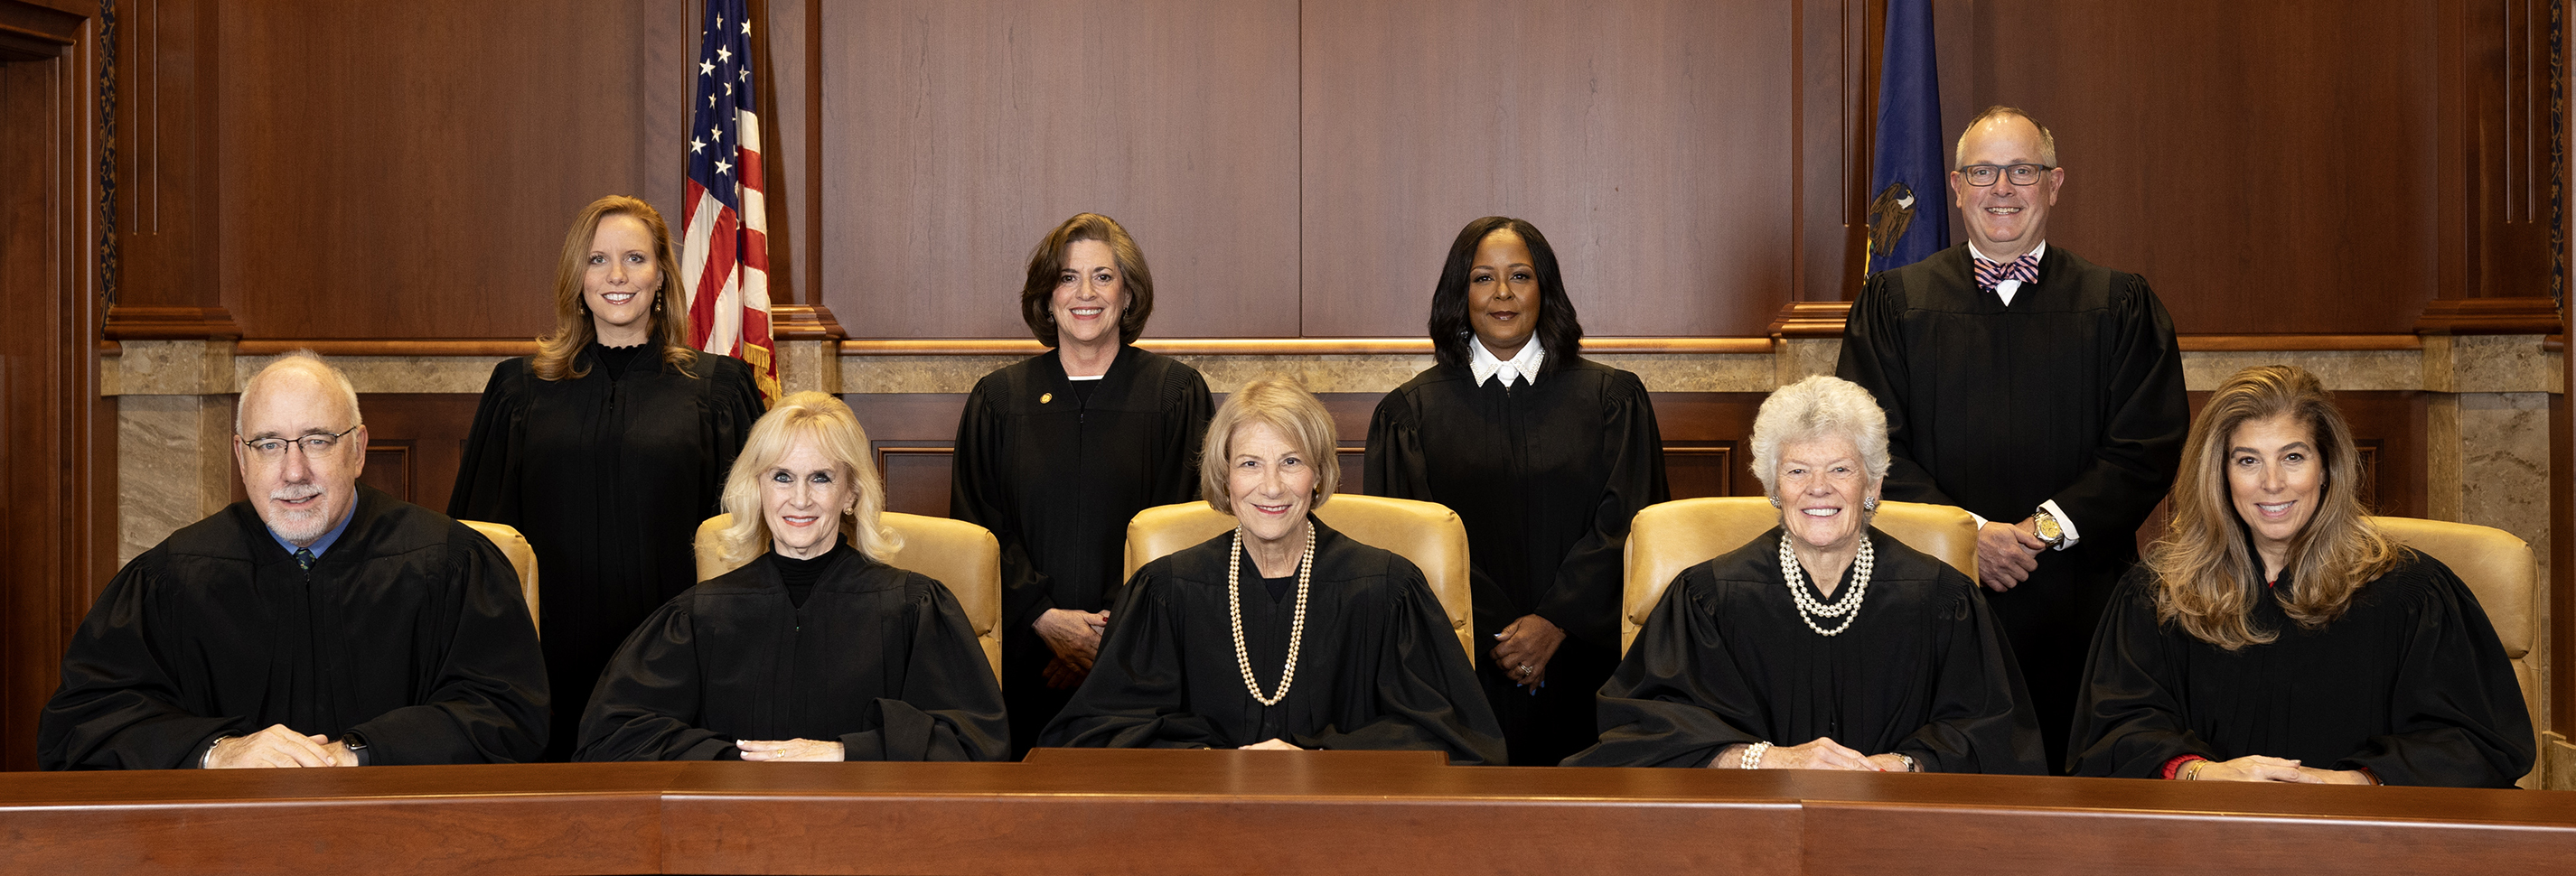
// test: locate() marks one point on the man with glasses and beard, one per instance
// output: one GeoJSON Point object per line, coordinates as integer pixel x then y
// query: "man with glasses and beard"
{"type": "Point", "coordinates": [2039, 391]}
{"type": "Point", "coordinates": [317, 623]}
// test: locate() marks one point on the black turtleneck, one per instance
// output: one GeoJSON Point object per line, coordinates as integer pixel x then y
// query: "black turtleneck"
{"type": "Point", "coordinates": [800, 575]}
{"type": "Point", "coordinates": [618, 360]}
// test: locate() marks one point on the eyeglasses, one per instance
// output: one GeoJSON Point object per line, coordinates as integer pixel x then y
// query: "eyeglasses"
{"type": "Point", "coordinates": [316, 444]}
{"type": "Point", "coordinates": [2020, 174]}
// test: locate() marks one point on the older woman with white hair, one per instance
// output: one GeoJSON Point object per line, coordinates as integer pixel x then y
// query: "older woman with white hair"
{"type": "Point", "coordinates": [814, 649]}
{"type": "Point", "coordinates": [1334, 643]}
{"type": "Point", "coordinates": [1822, 644]}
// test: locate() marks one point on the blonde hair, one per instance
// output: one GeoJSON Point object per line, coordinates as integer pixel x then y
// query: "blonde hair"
{"type": "Point", "coordinates": [573, 329]}
{"type": "Point", "coordinates": [2204, 564]}
{"type": "Point", "coordinates": [1283, 405]}
{"type": "Point", "coordinates": [1819, 406]}
{"type": "Point", "coordinates": [824, 420]}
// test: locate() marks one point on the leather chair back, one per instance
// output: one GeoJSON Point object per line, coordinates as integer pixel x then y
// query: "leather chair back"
{"type": "Point", "coordinates": [961, 555]}
{"type": "Point", "coordinates": [1427, 533]}
{"type": "Point", "coordinates": [2500, 569]}
{"type": "Point", "coordinates": [523, 559]}
{"type": "Point", "coordinates": [1668, 538]}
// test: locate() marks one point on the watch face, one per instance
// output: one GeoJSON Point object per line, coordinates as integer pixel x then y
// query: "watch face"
{"type": "Point", "coordinates": [2048, 528]}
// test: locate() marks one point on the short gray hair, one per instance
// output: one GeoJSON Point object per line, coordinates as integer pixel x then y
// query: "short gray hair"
{"type": "Point", "coordinates": [1820, 406]}
{"type": "Point", "coordinates": [2047, 141]}
{"type": "Point", "coordinates": [302, 360]}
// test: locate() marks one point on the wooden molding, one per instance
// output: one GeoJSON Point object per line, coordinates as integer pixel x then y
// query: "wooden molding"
{"type": "Point", "coordinates": [2299, 343]}
{"type": "Point", "coordinates": [2490, 316]}
{"type": "Point", "coordinates": [1285, 346]}
{"type": "Point", "coordinates": [798, 322]}
{"type": "Point", "coordinates": [462, 347]}
{"type": "Point", "coordinates": [1811, 319]}
{"type": "Point", "coordinates": [36, 31]}
{"type": "Point", "coordinates": [130, 323]}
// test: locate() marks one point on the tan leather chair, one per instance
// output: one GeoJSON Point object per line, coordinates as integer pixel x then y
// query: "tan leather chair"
{"type": "Point", "coordinates": [1668, 538]}
{"type": "Point", "coordinates": [962, 555]}
{"type": "Point", "coordinates": [523, 558]}
{"type": "Point", "coordinates": [1427, 533]}
{"type": "Point", "coordinates": [2499, 568]}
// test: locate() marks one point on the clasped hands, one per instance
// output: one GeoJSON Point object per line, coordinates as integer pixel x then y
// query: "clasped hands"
{"type": "Point", "coordinates": [1822, 754]}
{"type": "Point", "coordinates": [785, 750]}
{"type": "Point", "coordinates": [2259, 768]}
{"type": "Point", "coordinates": [2007, 553]}
{"type": "Point", "coordinates": [279, 746]}
{"type": "Point", "coordinates": [1524, 648]}
{"type": "Point", "coordinates": [1075, 638]}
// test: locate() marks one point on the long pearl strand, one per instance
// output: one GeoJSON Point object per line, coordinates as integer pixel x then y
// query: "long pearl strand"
{"type": "Point", "coordinates": [1847, 606]}
{"type": "Point", "coordinates": [1296, 629]}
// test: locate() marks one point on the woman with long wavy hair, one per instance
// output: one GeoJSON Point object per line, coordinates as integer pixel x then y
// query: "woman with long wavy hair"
{"type": "Point", "coordinates": [2275, 634]}
{"type": "Point", "coordinates": [607, 447]}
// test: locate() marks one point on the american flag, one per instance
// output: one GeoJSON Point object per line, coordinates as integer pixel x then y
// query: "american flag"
{"type": "Point", "coordinates": [724, 247]}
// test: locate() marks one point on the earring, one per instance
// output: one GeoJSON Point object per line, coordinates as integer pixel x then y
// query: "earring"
{"type": "Point", "coordinates": [1869, 504]}
{"type": "Point", "coordinates": [1775, 501]}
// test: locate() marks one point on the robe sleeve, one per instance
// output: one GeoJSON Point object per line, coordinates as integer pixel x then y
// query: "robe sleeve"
{"type": "Point", "coordinates": [486, 700]}
{"type": "Point", "coordinates": [979, 493]}
{"type": "Point", "coordinates": [947, 705]}
{"type": "Point", "coordinates": [1394, 465]}
{"type": "Point", "coordinates": [2459, 712]}
{"type": "Point", "coordinates": [1584, 598]}
{"type": "Point", "coordinates": [2145, 419]}
{"type": "Point", "coordinates": [1137, 695]}
{"type": "Point", "coordinates": [733, 406]}
{"type": "Point", "coordinates": [487, 482]}
{"type": "Point", "coordinates": [1981, 719]}
{"type": "Point", "coordinates": [1427, 697]}
{"type": "Point", "coordinates": [2129, 717]}
{"type": "Point", "coordinates": [118, 706]}
{"type": "Point", "coordinates": [648, 701]}
{"type": "Point", "coordinates": [1679, 697]}
{"type": "Point", "coordinates": [1873, 355]}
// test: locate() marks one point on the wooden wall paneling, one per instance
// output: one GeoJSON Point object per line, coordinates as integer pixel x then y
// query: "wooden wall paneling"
{"type": "Point", "coordinates": [1835, 84]}
{"type": "Point", "coordinates": [956, 134]}
{"type": "Point", "coordinates": [408, 170]}
{"type": "Point", "coordinates": [56, 532]}
{"type": "Point", "coordinates": [2505, 64]}
{"type": "Point", "coordinates": [1653, 142]}
{"type": "Point", "coordinates": [2284, 152]}
{"type": "Point", "coordinates": [167, 161]}
{"type": "Point", "coordinates": [782, 45]}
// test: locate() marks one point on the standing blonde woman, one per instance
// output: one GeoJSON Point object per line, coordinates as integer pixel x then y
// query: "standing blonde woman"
{"type": "Point", "coordinates": [814, 648]}
{"type": "Point", "coordinates": [2275, 635]}
{"type": "Point", "coordinates": [608, 446]}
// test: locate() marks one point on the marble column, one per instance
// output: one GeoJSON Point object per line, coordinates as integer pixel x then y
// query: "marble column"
{"type": "Point", "coordinates": [174, 426]}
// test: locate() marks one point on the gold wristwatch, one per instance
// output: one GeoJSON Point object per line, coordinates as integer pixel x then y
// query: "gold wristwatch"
{"type": "Point", "coordinates": [2049, 531]}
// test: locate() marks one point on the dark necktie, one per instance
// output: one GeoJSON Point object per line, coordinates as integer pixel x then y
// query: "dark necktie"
{"type": "Point", "coordinates": [1991, 274]}
{"type": "Point", "coordinates": [304, 558]}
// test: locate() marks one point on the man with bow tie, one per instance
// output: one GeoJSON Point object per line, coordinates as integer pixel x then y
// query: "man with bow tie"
{"type": "Point", "coordinates": [2035, 389]}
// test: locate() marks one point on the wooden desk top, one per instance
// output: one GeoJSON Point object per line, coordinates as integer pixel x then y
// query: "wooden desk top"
{"type": "Point", "coordinates": [1067, 811]}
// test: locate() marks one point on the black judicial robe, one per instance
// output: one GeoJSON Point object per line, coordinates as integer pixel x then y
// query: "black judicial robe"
{"type": "Point", "coordinates": [1056, 475]}
{"type": "Point", "coordinates": [878, 658]}
{"type": "Point", "coordinates": [1726, 659]}
{"type": "Point", "coordinates": [408, 630]}
{"type": "Point", "coordinates": [2411, 682]}
{"type": "Point", "coordinates": [1379, 667]}
{"type": "Point", "coordinates": [608, 477]}
{"type": "Point", "coordinates": [2073, 393]}
{"type": "Point", "coordinates": [1545, 476]}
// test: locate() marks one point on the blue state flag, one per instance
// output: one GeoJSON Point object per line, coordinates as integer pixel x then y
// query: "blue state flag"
{"type": "Point", "coordinates": [1909, 197]}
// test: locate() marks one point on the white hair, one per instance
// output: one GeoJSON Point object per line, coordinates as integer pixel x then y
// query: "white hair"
{"type": "Point", "coordinates": [307, 361]}
{"type": "Point", "coordinates": [1820, 406]}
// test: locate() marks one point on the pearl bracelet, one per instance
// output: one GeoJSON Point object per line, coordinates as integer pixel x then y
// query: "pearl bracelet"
{"type": "Point", "coordinates": [1752, 759]}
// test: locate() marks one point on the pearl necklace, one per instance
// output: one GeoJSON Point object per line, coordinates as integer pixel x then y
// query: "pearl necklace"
{"type": "Point", "coordinates": [1296, 629]}
{"type": "Point", "coordinates": [1847, 606]}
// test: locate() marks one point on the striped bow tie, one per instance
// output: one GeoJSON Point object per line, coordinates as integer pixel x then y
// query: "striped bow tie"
{"type": "Point", "coordinates": [2025, 269]}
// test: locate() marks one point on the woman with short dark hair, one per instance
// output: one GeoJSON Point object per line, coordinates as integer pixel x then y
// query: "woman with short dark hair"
{"type": "Point", "coordinates": [2275, 634]}
{"type": "Point", "coordinates": [1545, 456]}
{"type": "Point", "coordinates": [1056, 452]}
